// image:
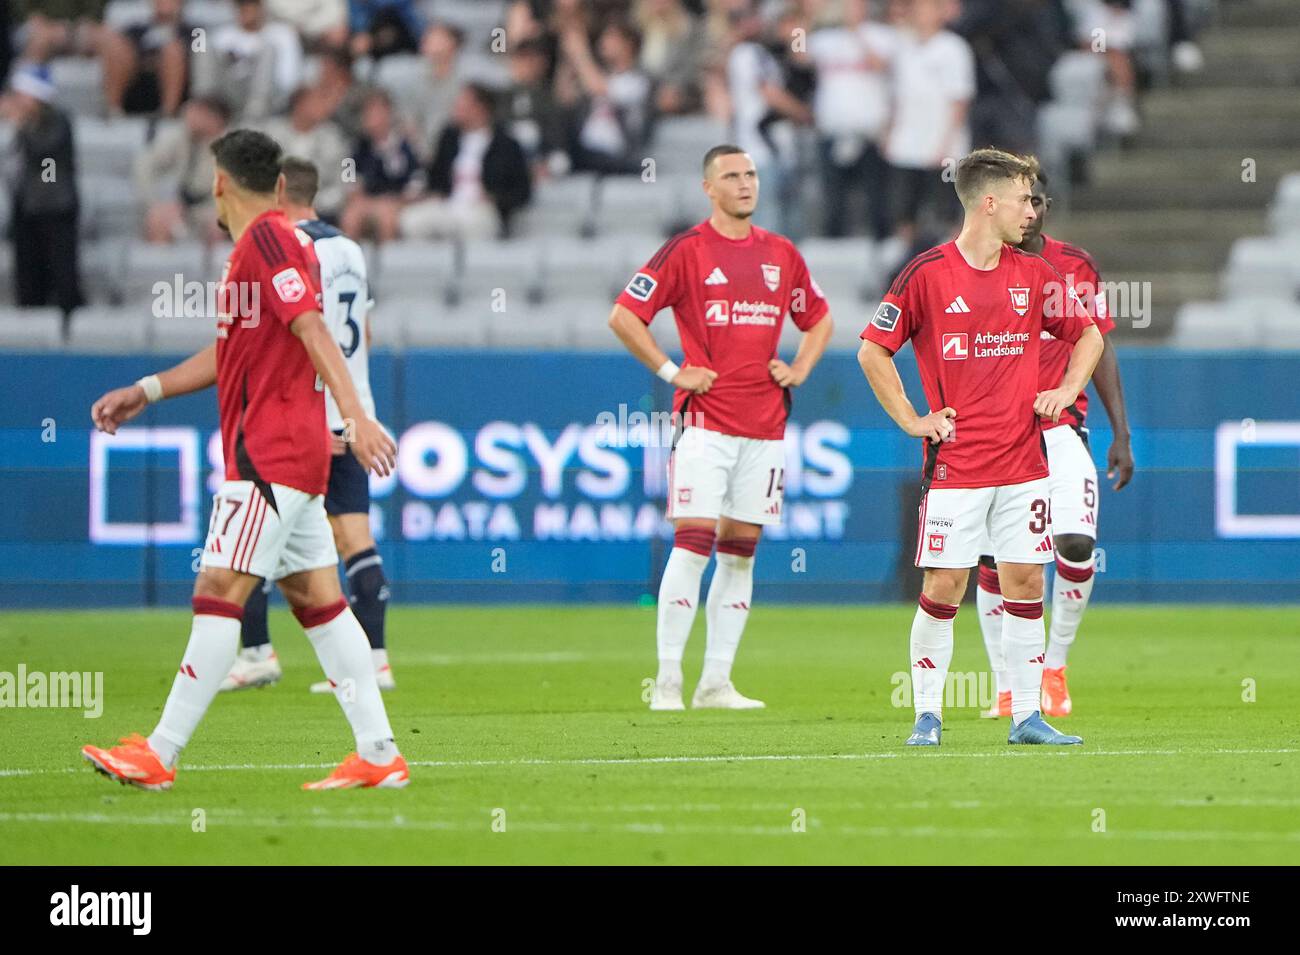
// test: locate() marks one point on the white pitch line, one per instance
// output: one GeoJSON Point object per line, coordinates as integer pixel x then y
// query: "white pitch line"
{"type": "Point", "coordinates": [394, 824]}
{"type": "Point", "coordinates": [1032, 753]}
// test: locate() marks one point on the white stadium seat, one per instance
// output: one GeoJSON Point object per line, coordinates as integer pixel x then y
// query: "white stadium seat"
{"type": "Point", "coordinates": [31, 329]}
{"type": "Point", "coordinates": [114, 331]}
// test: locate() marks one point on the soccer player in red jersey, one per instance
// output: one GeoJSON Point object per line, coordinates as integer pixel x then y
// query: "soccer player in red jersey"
{"type": "Point", "coordinates": [272, 355]}
{"type": "Point", "coordinates": [730, 285]}
{"type": "Point", "coordinates": [1073, 477]}
{"type": "Point", "coordinates": [974, 310]}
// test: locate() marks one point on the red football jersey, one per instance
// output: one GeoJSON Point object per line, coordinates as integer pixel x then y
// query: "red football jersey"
{"type": "Point", "coordinates": [729, 298]}
{"type": "Point", "coordinates": [976, 334]}
{"type": "Point", "coordinates": [1079, 270]}
{"type": "Point", "coordinates": [272, 411]}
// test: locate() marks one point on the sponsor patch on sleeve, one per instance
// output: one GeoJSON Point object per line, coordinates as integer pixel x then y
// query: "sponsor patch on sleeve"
{"type": "Point", "coordinates": [886, 316]}
{"type": "Point", "coordinates": [642, 287]}
{"type": "Point", "coordinates": [288, 284]}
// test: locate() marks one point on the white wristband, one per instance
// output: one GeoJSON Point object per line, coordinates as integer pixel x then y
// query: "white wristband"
{"type": "Point", "coordinates": [668, 371]}
{"type": "Point", "coordinates": [152, 388]}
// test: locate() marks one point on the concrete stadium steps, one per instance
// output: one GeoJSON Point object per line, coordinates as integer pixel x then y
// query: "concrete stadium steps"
{"type": "Point", "coordinates": [1245, 119]}
{"type": "Point", "coordinates": [1175, 240]}
{"type": "Point", "coordinates": [1261, 55]}
{"type": "Point", "coordinates": [1172, 177]}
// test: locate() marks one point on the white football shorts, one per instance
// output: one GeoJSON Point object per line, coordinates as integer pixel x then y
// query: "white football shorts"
{"type": "Point", "coordinates": [272, 538]}
{"type": "Point", "coordinates": [712, 475]}
{"type": "Point", "coordinates": [956, 525]}
{"type": "Point", "coordinates": [1073, 480]}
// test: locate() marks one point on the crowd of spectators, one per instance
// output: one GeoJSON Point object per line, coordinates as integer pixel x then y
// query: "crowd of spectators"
{"type": "Point", "coordinates": [850, 108]}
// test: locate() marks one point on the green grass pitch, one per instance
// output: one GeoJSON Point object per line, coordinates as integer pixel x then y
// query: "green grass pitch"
{"type": "Point", "coordinates": [529, 719]}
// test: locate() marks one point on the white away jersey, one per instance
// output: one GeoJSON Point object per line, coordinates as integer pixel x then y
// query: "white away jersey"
{"type": "Point", "coordinates": [345, 302]}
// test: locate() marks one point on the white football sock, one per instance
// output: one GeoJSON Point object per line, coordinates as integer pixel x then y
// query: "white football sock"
{"type": "Point", "coordinates": [214, 642]}
{"type": "Point", "coordinates": [1022, 647]}
{"type": "Point", "coordinates": [1069, 600]}
{"type": "Point", "coordinates": [679, 598]}
{"type": "Point", "coordinates": [379, 658]}
{"type": "Point", "coordinates": [931, 649]}
{"type": "Point", "coordinates": [726, 611]}
{"type": "Point", "coordinates": [989, 604]}
{"type": "Point", "coordinates": [344, 653]}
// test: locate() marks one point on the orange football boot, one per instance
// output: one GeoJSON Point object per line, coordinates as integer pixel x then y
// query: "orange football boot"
{"type": "Point", "coordinates": [131, 761]}
{"type": "Point", "coordinates": [355, 773]}
{"type": "Point", "coordinates": [1056, 693]}
{"type": "Point", "coordinates": [1002, 708]}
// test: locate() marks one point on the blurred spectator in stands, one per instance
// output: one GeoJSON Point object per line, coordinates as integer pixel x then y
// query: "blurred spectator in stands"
{"type": "Point", "coordinates": [322, 24]}
{"type": "Point", "coordinates": [343, 96]}
{"type": "Point", "coordinates": [934, 82]}
{"type": "Point", "coordinates": [6, 40]}
{"type": "Point", "coordinates": [609, 99]}
{"type": "Point", "coordinates": [62, 28]}
{"type": "Point", "coordinates": [254, 63]}
{"type": "Point", "coordinates": [173, 176]}
{"type": "Point", "coordinates": [1108, 27]}
{"type": "Point", "coordinates": [851, 109]}
{"type": "Point", "coordinates": [440, 82]}
{"type": "Point", "coordinates": [479, 175]}
{"type": "Point", "coordinates": [308, 132]}
{"type": "Point", "coordinates": [758, 100]}
{"type": "Point", "coordinates": [387, 172]}
{"type": "Point", "coordinates": [1183, 22]}
{"type": "Point", "coordinates": [530, 111]}
{"type": "Point", "coordinates": [673, 47]}
{"type": "Point", "coordinates": [793, 133]}
{"type": "Point", "coordinates": [42, 175]}
{"type": "Point", "coordinates": [383, 27]}
{"type": "Point", "coordinates": [1015, 42]}
{"type": "Point", "coordinates": [146, 65]}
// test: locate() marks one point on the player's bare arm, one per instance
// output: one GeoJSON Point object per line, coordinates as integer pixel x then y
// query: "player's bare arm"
{"type": "Point", "coordinates": [1087, 351]}
{"type": "Point", "coordinates": [811, 347]}
{"type": "Point", "coordinates": [371, 444]}
{"type": "Point", "coordinates": [636, 337]}
{"type": "Point", "coordinates": [1119, 459]}
{"type": "Point", "coordinates": [882, 374]}
{"type": "Point", "coordinates": [120, 405]}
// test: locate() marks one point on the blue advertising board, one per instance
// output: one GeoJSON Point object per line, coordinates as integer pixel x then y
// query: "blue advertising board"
{"type": "Point", "coordinates": [541, 476]}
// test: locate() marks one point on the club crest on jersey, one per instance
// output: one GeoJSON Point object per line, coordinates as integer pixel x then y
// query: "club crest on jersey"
{"type": "Point", "coordinates": [288, 284]}
{"type": "Point", "coordinates": [935, 543]}
{"type": "Point", "coordinates": [771, 277]}
{"type": "Point", "coordinates": [886, 316]}
{"type": "Point", "coordinates": [641, 287]}
{"type": "Point", "coordinates": [1019, 300]}
{"type": "Point", "coordinates": [941, 472]}
{"type": "Point", "coordinates": [717, 312]}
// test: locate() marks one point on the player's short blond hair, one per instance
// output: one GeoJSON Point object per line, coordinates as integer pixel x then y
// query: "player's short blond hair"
{"type": "Point", "coordinates": [980, 169]}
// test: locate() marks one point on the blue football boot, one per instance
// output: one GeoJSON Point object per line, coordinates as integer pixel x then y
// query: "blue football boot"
{"type": "Point", "coordinates": [926, 732]}
{"type": "Point", "coordinates": [1036, 731]}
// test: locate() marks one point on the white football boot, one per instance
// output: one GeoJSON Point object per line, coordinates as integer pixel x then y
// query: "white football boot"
{"type": "Point", "coordinates": [254, 666]}
{"type": "Point", "coordinates": [667, 696]}
{"type": "Point", "coordinates": [383, 676]}
{"type": "Point", "coordinates": [723, 696]}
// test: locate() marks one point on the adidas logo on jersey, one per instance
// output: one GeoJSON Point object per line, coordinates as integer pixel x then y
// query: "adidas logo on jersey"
{"type": "Point", "coordinates": [1044, 546]}
{"type": "Point", "coordinates": [716, 277]}
{"type": "Point", "coordinates": [958, 305]}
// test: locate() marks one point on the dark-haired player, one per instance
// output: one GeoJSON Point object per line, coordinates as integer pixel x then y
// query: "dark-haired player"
{"type": "Point", "coordinates": [268, 518]}
{"type": "Point", "coordinates": [730, 285]}
{"type": "Point", "coordinates": [1073, 477]}
{"type": "Point", "coordinates": [345, 304]}
{"type": "Point", "coordinates": [974, 310]}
